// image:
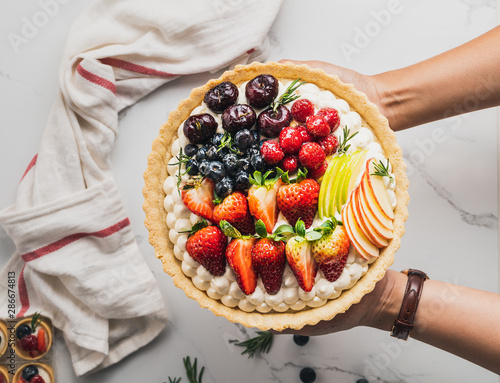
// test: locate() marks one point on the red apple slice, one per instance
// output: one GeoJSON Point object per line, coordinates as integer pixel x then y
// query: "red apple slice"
{"type": "Point", "coordinates": [373, 206]}
{"type": "Point", "coordinates": [360, 241]}
{"type": "Point", "coordinates": [377, 188]}
{"type": "Point", "coordinates": [347, 226]}
{"type": "Point", "coordinates": [364, 224]}
{"type": "Point", "coordinates": [368, 216]}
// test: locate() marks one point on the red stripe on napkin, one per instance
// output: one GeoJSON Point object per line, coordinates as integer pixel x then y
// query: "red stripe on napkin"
{"type": "Point", "coordinates": [54, 246]}
{"type": "Point", "coordinates": [23, 295]}
{"type": "Point", "coordinates": [122, 64]}
{"type": "Point", "coordinates": [95, 79]}
{"type": "Point", "coordinates": [31, 164]}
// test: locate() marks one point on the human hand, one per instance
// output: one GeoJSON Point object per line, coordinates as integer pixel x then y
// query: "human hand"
{"type": "Point", "coordinates": [377, 309]}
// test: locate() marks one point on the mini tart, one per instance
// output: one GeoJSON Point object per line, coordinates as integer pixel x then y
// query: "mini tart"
{"type": "Point", "coordinates": [48, 339]}
{"type": "Point", "coordinates": [40, 366]}
{"type": "Point", "coordinates": [4, 338]}
{"type": "Point", "coordinates": [154, 195]}
{"type": "Point", "coordinates": [5, 373]}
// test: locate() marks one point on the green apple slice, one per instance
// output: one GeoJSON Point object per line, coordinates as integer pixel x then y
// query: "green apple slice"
{"type": "Point", "coordinates": [357, 170]}
{"type": "Point", "coordinates": [343, 160]}
{"type": "Point", "coordinates": [326, 191]}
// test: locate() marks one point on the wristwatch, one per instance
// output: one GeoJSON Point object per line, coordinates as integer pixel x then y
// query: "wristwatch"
{"type": "Point", "coordinates": [403, 325]}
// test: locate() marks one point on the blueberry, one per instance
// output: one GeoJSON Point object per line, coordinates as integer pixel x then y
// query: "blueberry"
{"type": "Point", "coordinates": [307, 375]}
{"type": "Point", "coordinates": [257, 162]}
{"type": "Point", "coordinates": [215, 171]}
{"type": "Point", "coordinates": [300, 340]}
{"type": "Point", "coordinates": [192, 167]}
{"type": "Point", "coordinates": [201, 154]}
{"type": "Point", "coordinates": [243, 139]}
{"type": "Point", "coordinates": [203, 167]}
{"type": "Point", "coordinates": [23, 330]}
{"type": "Point", "coordinates": [230, 162]}
{"type": "Point", "coordinates": [212, 153]}
{"type": "Point", "coordinates": [241, 181]}
{"type": "Point", "coordinates": [29, 372]}
{"type": "Point", "coordinates": [217, 139]}
{"type": "Point", "coordinates": [223, 151]}
{"type": "Point", "coordinates": [256, 135]}
{"type": "Point", "coordinates": [190, 150]}
{"type": "Point", "coordinates": [224, 187]}
{"type": "Point", "coordinates": [244, 165]}
{"type": "Point", "coordinates": [252, 150]}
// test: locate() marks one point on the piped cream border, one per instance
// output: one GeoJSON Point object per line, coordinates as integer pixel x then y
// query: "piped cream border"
{"type": "Point", "coordinates": [154, 195]}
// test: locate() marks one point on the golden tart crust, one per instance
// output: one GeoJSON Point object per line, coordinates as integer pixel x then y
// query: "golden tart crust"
{"type": "Point", "coordinates": [156, 173]}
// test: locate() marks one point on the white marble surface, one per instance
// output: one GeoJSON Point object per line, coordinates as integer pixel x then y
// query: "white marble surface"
{"type": "Point", "coordinates": [452, 167]}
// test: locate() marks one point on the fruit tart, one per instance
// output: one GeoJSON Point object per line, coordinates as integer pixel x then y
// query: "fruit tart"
{"type": "Point", "coordinates": [3, 338]}
{"type": "Point", "coordinates": [33, 337]}
{"type": "Point", "coordinates": [34, 373]}
{"type": "Point", "coordinates": [276, 195]}
{"type": "Point", "coordinates": [4, 374]}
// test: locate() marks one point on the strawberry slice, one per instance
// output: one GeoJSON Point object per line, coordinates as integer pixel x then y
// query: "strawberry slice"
{"type": "Point", "coordinates": [299, 257]}
{"type": "Point", "coordinates": [268, 260]}
{"type": "Point", "coordinates": [262, 198]}
{"type": "Point", "coordinates": [42, 344]}
{"type": "Point", "coordinates": [234, 209]}
{"type": "Point", "coordinates": [198, 196]}
{"type": "Point", "coordinates": [239, 258]}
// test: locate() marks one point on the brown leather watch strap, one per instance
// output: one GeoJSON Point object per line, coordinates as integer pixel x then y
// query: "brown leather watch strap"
{"type": "Point", "coordinates": [404, 322]}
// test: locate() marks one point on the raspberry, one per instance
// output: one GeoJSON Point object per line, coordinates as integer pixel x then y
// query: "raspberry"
{"type": "Point", "coordinates": [289, 164]}
{"type": "Point", "coordinates": [311, 155]}
{"type": "Point", "coordinates": [301, 109]}
{"type": "Point", "coordinates": [37, 379]}
{"type": "Point", "coordinates": [271, 152]}
{"type": "Point", "coordinates": [29, 342]}
{"type": "Point", "coordinates": [319, 171]}
{"type": "Point", "coordinates": [331, 116]}
{"type": "Point", "coordinates": [306, 137]}
{"type": "Point", "coordinates": [317, 126]}
{"type": "Point", "coordinates": [329, 144]}
{"type": "Point", "coordinates": [290, 140]}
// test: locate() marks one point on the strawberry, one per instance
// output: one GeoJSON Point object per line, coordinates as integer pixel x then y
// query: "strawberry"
{"type": "Point", "coordinates": [299, 257]}
{"type": "Point", "coordinates": [306, 137]}
{"type": "Point", "coordinates": [317, 126]}
{"type": "Point", "coordinates": [234, 209]}
{"type": "Point", "coordinates": [239, 258]}
{"type": "Point", "coordinates": [290, 140]}
{"type": "Point", "coordinates": [268, 260]}
{"type": "Point", "coordinates": [29, 343]}
{"type": "Point", "coordinates": [329, 144]}
{"type": "Point", "coordinates": [330, 251]}
{"type": "Point", "coordinates": [207, 245]}
{"type": "Point", "coordinates": [42, 344]}
{"type": "Point", "coordinates": [331, 116]}
{"type": "Point", "coordinates": [301, 109]}
{"type": "Point", "coordinates": [311, 155]}
{"type": "Point", "coordinates": [262, 198]}
{"type": "Point", "coordinates": [299, 200]}
{"type": "Point", "coordinates": [319, 171]}
{"type": "Point", "coordinates": [198, 197]}
{"type": "Point", "coordinates": [37, 379]}
{"type": "Point", "coordinates": [289, 163]}
{"type": "Point", "coordinates": [271, 152]}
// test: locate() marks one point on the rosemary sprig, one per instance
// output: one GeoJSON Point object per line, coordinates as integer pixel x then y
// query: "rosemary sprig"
{"type": "Point", "coordinates": [262, 342]}
{"type": "Point", "coordinates": [343, 147]}
{"type": "Point", "coordinates": [181, 159]}
{"type": "Point", "coordinates": [175, 380]}
{"type": "Point", "coordinates": [227, 141]}
{"type": "Point", "coordinates": [35, 321]}
{"type": "Point", "coordinates": [288, 96]}
{"type": "Point", "coordinates": [192, 370]}
{"type": "Point", "coordinates": [382, 170]}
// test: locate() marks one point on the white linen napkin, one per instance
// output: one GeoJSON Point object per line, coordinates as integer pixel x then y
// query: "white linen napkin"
{"type": "Point", "coordinates": [76, 258]}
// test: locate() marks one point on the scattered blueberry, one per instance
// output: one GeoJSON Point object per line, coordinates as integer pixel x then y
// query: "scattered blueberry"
{"type": "Point", "coordinates": [300, 340]}
{"type": "Point", "coordinates": [203, 167]}
{"type": "Point", "coordinates": [212, 153]}
{"type": "Point", "coordinates": [23, 330]}
{"type": "Point", "coordinates": [224, 187]}
{"type": "Point", "coordinates": [29, 372]}
{"type": "Point", "coordinates": [215, 171]}
{"type": "Point", "coordinates": [201, 154]}
{"type": "Point", "coordinates": [307, 375]}
{"type": "Point", "coordinates": [243, 139]}
{"type": "Point", "coordinates": [190, 150]}
{"type": "Point", "coordinates": [241, 181]}
{"type": "Point", "coordinates": [192, 167]}
{"type": "Point", "coordinates": [362, 381]}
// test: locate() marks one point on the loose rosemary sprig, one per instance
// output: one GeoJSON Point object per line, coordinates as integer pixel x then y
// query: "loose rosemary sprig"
{"type": "Point", "coordinates": [343, 147]}
{"type": "Point", "coordinates": [192, 370]}
{"type": "Point", "coordinates": [262, 342]}
{"type": "Point", "coordinates": [175, 380]}
{"type": "Point", "coordinates": [288, 96]}
{"type": "Point", "coordinates": [382, 170]}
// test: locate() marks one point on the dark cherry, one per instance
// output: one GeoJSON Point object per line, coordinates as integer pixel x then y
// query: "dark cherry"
{"type": "Point", "coordinates": [271, 123]}
{"type": "Point", "coordinates": [221, 96]}
{"type": "Point", "coordinates": [29, 372]}
{"type": "Point", "coordinates": [200, 128]}
{"type": "Point", "coordinates": [261, 91]}
{"type": "Point", "coordinates": [238, 117]}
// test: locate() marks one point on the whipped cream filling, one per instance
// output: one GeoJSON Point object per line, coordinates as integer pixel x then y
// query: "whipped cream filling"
{"type": "Point", "coordinates": [291, 296]}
